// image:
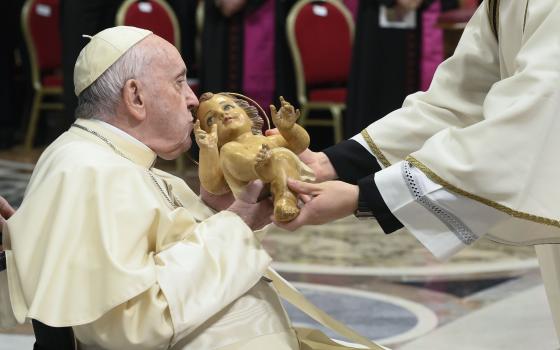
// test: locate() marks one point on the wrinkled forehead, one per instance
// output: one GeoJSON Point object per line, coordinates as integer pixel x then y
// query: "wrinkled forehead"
{"type": "Point", "coordinates": [161, 52]}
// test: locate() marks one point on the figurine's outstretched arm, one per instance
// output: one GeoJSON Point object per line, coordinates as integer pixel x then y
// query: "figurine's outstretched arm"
{"type": "Point", "coordinates": [209, 171]}
{"type": "Point", "coordinates": [297, 139]}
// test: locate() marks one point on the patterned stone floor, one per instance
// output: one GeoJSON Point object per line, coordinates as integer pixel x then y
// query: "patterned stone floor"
{"type": "Point", "coordinates": [13, 180]}
{"type": "Point", "coordinates": [354, 246]}
{"type": "Point", "coordinates": [386, 286]}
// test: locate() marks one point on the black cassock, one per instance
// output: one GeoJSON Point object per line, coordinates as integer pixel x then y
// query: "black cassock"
{"type": "Point", "coordinates": [221, 64]}
{"type": "Point", "coordinates": [385, 65]}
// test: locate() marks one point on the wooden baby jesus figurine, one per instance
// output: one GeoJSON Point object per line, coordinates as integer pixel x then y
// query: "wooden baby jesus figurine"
{"type": "Point", "coordinates": [233, 150]}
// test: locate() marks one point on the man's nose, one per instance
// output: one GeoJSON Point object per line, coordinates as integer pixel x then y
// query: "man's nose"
{"type": "Point", "coordinates": [192, 100]}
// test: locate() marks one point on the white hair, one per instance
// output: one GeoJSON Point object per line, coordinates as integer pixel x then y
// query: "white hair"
{"type": "Point", "coordinates": [101, 98]}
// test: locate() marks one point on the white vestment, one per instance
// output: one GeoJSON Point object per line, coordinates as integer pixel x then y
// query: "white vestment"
{"type": "Point", "coordinates": [97, 244]}
{"type": "Point", "coordinates": [486, 132]}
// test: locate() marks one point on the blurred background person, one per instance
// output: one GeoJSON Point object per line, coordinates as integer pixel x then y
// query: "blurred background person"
{"type": "Point", "coordinates": [397, 47]}
{"type": "Point", "coordinates": [245, 50]}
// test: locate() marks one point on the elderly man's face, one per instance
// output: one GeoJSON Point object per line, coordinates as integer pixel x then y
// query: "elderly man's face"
{"type": "Point", "coordinates": [169, 100]}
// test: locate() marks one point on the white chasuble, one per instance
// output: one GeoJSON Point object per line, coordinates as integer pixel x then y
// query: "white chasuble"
{"type": "Point", "coordinates": [99, 243]}
{"type": "Point", "coordinates": [488, 128]}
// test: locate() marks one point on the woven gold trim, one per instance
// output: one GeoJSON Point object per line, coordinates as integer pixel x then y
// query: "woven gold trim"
{"type": "Point", "coordinates": [376, 151]}
{"type": "Point", "coordinates": [518, 214]}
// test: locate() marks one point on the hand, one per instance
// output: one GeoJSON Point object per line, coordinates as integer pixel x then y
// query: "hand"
{"type": "Point", "coordinates": [323, 202]}
{"type": "Point", "coordinates": [317, 161]}
{"type": "Point", "coordinates": [217, 202]}
{"type": "Point", "coordinates": [320, 164]}
{"type": "Point", "coordinates": [255, 213]}
{"type": "Point", "coordinates": [6, 211]}
{"type": "Point", "coordinates": [286, 116]}
{"type": "Point", "coordinates": [204, 139]}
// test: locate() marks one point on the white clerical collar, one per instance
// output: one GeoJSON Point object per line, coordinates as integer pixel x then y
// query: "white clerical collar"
{"type": "Point", "coordinates": [120, 141]}
{"type": "Point", "coordinates": [117, 131]}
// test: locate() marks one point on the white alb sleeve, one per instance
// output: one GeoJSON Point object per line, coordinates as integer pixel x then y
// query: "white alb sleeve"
{"type": "Point", "coordinates": [444, 222]}
{"type": "Point", "coordinates": [196, 278]}
{"type": "Point", "coordinates": [220, 261]}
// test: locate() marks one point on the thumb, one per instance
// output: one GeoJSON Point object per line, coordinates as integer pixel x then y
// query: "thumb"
{"type": "Point", "coordinates": [301, 187]}
{"type": "Point", "coordinates": [6, 209]}
{"type": "Point", "coordinates": [252, 191]}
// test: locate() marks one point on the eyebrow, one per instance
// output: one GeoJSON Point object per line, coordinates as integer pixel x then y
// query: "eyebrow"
{"type": "Point", "coordinates": [183, 73]}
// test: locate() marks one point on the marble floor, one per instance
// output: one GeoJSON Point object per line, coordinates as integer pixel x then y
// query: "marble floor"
{"type": "Point", "coordinates": [387, 287]}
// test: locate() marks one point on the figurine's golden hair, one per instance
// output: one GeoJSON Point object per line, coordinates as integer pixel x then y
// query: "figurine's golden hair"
{"type": "Point", "coordinates": [252, 111]}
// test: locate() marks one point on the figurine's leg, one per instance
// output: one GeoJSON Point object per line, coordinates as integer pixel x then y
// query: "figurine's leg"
{"type": "Point", "coordinates": [276, 166]}
{"type": "Point", "coordinates": [263, 165]}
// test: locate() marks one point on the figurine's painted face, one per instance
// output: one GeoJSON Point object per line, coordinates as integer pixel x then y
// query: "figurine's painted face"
{"type": "Point", "coordinates": [231, 119]}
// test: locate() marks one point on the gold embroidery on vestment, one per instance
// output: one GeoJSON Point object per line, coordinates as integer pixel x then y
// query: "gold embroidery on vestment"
{"type": "Point", "coordinates": [515, 213]}
{"type": "Point", "coordinates": [375, 150]}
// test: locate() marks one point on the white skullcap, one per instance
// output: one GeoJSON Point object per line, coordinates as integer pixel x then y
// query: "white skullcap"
{"type": "Point", "coordinates": [104, 49]}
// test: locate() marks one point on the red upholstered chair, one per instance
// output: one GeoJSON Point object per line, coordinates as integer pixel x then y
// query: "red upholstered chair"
{"type": "Point", "coordinates": [154, 15]}
{"type": "Point", "coordinates": [320, 34]}
{"type": "Point", "coordinates": [40, 27]}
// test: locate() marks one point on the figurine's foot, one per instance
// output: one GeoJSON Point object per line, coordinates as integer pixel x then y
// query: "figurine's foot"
{"type": "Point", "coordinates": [285, 208]}
{"type": "Point", "coordinates": [263, 166]}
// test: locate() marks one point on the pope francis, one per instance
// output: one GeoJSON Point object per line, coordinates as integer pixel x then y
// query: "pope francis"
{"type": "Point", "coordinates": [124, 253]}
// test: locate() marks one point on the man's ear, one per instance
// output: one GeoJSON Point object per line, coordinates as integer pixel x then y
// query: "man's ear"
{"type": "Point", "coordinates": [134, 99]}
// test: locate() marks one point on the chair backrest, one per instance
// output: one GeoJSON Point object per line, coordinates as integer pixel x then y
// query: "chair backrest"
{"type": "Point", "coordinates": [154, 15]}
{"type": "Point", "coordinates": [41, 30]}
{"type": "Point", "coordinates": [320, 34]}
